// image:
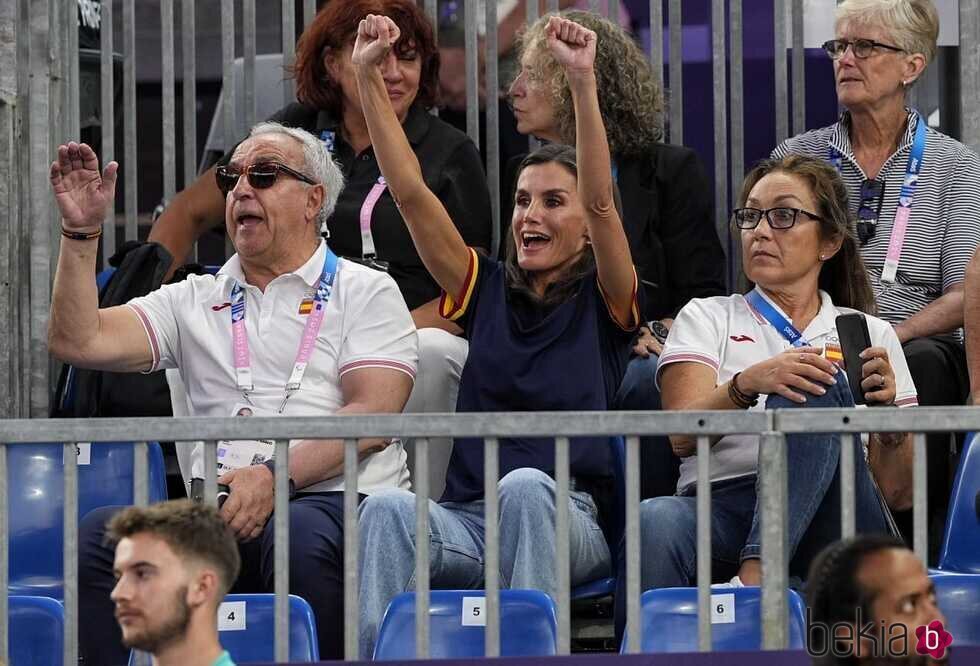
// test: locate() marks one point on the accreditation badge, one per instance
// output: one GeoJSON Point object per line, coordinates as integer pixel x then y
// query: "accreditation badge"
{"type": "Point", "coordinates": [238, 453]}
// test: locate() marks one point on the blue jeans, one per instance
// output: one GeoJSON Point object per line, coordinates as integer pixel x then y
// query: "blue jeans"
{"type": "Point", "coordinates": [668, 524]}
{"type": "Point", "coordinates": [456, 544]}
{"type": "Point", "coordinates": [659, 467]}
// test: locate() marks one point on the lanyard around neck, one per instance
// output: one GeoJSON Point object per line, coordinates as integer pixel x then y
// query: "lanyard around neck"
{"type": "Point", "coordinates": [775, 318]}
{"type": "Point", "coordinates": [239, 334]}
{"type": "Point", "coordinates": [905, 197]}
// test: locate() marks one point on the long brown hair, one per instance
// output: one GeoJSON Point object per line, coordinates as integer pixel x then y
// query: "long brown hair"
{"type": "Point", "coordinates": [335, 27]}
{"type": "Point", "coordinates": [843, 276]}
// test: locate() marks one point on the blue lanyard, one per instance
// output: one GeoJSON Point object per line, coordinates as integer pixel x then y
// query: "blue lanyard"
{"type": "Point", "coordinates": [775, 318]}
{"type": "Point", "coordinates": [240, 353]}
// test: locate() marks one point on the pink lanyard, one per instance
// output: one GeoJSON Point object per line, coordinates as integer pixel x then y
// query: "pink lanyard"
{"type": "Point", "coordinates": [242, 358]}
{"type": "Point", "coordinates": [367, 210]}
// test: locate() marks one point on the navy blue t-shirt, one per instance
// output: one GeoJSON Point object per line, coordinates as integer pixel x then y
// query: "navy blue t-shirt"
{"type": "Point", "coordinates": [525, 356]}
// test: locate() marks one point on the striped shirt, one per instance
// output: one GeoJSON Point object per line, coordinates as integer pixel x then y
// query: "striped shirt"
{"type": "Point", "coordinates": [944, 228]}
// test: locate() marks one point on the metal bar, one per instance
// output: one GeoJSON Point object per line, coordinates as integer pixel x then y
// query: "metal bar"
{"type": "Point", "coordinates": [167, 82]}
{"type": "Point", "coordinates": [847, 517]}
{"type": "Point", "coordinates": [21, 248]}
{"type": "Point", "coordinates": [248, 49]}
{"type": "Point", "coordinates": [10, 224]}
{"type": "Point", "coordinates": [657, 40]}
{"type": "Point", "coordinates": [4, 541]}
{"type": "Point", "coordinates": [676, 70]}
{"type": "Point", "coordinates": [422, 548]}
{"type": "Point", "coordinates": [612, 7]}
{"type": "Point", "coordinates": [141, 474]}
{"type": "Point", "coordinates": [920, 498]}
{"type": "Point", "coordinates": [211, 472]}
{"type": "Point", "coordinates": [129, 118]}
{"type": "Point", "coordinates": [704, 543]}
{"type": "Point", "coordinates": [552, 5]}
{"type": "Point", "coordinates": [594, 6]}
{"type": "Point", "coordinates": [563, 595]}
{"type": "Point", "coordinates": [720, 117]}
{"type": "Point", "coordinates": [921, 419]}
{"type": "Point", "coordinates": [350, 550]}
{"type": "Point", "coordinates": [472, 74]}
{"type": "Point", "coordinates": [107, 116]}
{"type": "Point", "coordinates": [491, 552]}
{"type": "Point", "coordinates": [432, 11]}
{"type": "Point", "coordinates": [189, 89]}
{"type": "Point", "coordinates": [73, 83]}
{"type": "Point", "coordinates": [970, 72]}
{"type": "Point", "coordinates": [280, 516]}
{"type": "Point", "coordinates": [228, 85]}
{"type": "Point", "coordinates": [288, 48]}
{"type": "Point", "coordinates": [779, 60]}
{"type": "Point", "coordinates": [799, 70]}
{"type": "Point", "coordinates": [493, 129]}
{"type": "Point", "coordinates": [70, 554]}
{"type": "Point", "coordinates": [737, 134]}
{"type": "Point", "coordinates": [530, 16]}
{"type": "Point", "coordinates": [634, 627]}
{"type": "Point", "coordinates": [775, 578]}
{"type": "Point", "coordinates": [309, 12]}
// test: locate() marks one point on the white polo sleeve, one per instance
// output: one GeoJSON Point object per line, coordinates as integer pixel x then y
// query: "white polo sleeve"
{"type": "Point", "coordinates": [158, 312]}
{"type": "Point", "coordinates": [378, 329]}
{"type": "Point", "coordinates": [696, 335]}
{"type": "Point", "coordinates": [883, 335]}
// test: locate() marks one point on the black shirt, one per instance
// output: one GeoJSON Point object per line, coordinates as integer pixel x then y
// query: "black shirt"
{"type": "Point", "coordinates": [451, 168]}
{"type": "Point", "coordinates": [667, 216]}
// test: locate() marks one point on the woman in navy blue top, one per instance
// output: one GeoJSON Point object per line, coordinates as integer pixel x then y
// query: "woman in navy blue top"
{"type": "Point", "coordinates": [549, 329]}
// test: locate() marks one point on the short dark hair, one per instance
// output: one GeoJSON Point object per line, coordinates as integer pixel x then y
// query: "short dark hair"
{"type": "Point", "coordinates": [833, 591]}
{"type": "Point", "coordinates": [844, 275]}
{"type": "Point", "coordinates": [335, 26]}
{"type": "Point", "coordinates": [190, 529]}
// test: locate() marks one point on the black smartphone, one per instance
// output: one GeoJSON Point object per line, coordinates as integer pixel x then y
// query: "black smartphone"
{"type": "Point", "coordinates": [852, 331]}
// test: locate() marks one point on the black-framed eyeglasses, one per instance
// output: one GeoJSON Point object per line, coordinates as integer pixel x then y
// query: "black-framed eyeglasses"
{"type": "Point", "coordinates": [261, 175]}
{"type": "Point", "coordinates": [778, 218]}
{"type": "Point", "coordinates": [862, 48]}
{"type": "Point", "coordinates": [872, 196]}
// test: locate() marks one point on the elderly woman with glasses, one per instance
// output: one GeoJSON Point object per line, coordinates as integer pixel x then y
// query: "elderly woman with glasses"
{"type": "Point", "coordinates": [777, 346]}
{"type": "Point", "coordinates": [913, 194]}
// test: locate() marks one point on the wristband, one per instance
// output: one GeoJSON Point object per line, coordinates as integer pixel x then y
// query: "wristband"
{"type": "Point", "coordinates": [81, 235]}
{"type": "Point", "coordinates": [738, 398]}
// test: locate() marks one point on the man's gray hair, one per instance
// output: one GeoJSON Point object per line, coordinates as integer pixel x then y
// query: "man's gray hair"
{"type": "Point", "coordinates": [319, 165]}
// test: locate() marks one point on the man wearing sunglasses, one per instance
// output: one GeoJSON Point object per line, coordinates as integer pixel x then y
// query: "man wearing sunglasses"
{"type": "Point", "coordinates": [913, 198]}
{"type": "Point", "coordinates": [284, 328]}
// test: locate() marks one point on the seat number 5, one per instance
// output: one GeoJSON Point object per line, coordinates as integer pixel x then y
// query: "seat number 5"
{"type": "Point", "coordinates": [473, 612]}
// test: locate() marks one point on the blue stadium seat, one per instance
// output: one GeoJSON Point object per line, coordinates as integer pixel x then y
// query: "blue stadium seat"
{"type": "Point", "coordinates": [606, 586]}
{"type": "Point", "coordinates": [958, 597]}
{"type": "Point", "coordinates": [670, 621]}
{"type": "Point", "coordinates": [960, 550]}
{"type": "Point", "coordinates": [36, 500]}
{"type": "Point", "coordinates": [528, 626]}
{"type": "Point", "coordinates": [36, 628]}
{"type": "Point", "coordinates": [256, 642]}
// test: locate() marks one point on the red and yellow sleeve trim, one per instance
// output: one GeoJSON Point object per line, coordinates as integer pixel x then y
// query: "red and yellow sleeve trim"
{"type": "Point", "coordinates": [634, 321]}
{"type": "Point", "coordinates": [454, 309]}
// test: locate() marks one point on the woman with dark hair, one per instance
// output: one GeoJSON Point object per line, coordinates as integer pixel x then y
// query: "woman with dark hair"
{"type": "Point", "coordinates": [366, 225]}
{"type": "Point", "coordinates": [777, 346]}
{"type": "Point", "coordinates": [565, 297]}
{"type": "Point", "coordinates": [664, 195]}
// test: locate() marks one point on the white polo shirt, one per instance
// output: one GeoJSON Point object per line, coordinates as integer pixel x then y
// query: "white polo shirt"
{"type": "Point", "coordinates": [365, 324]}
{"type": "Point", "coordinates": [726, 334]}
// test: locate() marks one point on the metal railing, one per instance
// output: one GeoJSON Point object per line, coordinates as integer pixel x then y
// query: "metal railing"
{"type": "Point", "coordinates": [772, 426]}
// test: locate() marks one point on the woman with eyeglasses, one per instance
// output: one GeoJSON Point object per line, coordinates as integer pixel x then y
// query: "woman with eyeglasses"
{"type": "Point", "coordinates": [777, 347]}
{"type": "Point", "coordinates": [913, 197]}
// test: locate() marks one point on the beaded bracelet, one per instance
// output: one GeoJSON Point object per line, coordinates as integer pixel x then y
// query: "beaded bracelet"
{"type": "Point", "coordinates": [80, 235]}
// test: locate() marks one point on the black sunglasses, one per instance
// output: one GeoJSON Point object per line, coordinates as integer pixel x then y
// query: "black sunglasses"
{"type": "Point", "coordinates": [872, 196]}
{"type": "Point", "coordinates": [778, 218]}
{"type": "Point", "coordinates": [261, 175]}
{"type": "Point", "coordinates": [862, 48]}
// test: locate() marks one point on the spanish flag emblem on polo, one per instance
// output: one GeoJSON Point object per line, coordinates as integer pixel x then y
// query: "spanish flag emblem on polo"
{"type": "Point", "coordinates": [306, 305]}
{"type": "Point", "coordinates": [833, 353]}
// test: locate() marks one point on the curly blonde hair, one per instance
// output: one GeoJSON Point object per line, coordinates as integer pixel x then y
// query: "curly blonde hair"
{"type": "Point", "coordinates": [630, 98]}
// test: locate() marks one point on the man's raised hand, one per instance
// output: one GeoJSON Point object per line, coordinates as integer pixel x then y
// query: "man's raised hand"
{"type": "Point", "coordinates": [82, 193]}
{"type": "Point", "coordinates": [375, 37]}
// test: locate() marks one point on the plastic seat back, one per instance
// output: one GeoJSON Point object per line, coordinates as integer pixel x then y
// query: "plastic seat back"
{"type": "Point", "coordinates": [246, 628]}
{"type": "Point", "coordinates": [528, 625]}
{"type": "Point", "coordinates": [36, 628]}
{"type": "Point", "coordinates": [958, 597]}
{"type": "Point", "coordinates": [670, 620]}
{"type": "Point", "coordinates": [35, 480]}
{"type": "Point", "coordinates": [960, 550]}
